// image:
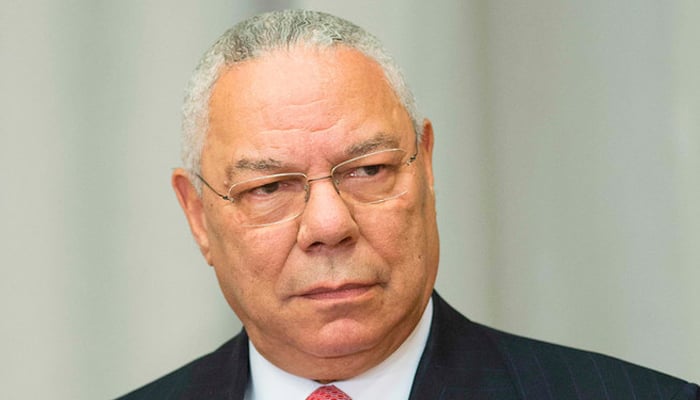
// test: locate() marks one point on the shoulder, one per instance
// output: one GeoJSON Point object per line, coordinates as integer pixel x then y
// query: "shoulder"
{"type": "Point", "coordinates": [582, 374]}
{"type": "Point", "coordinates": [541, 370]}
{"type": "Point", "coordinates": [220, 374]}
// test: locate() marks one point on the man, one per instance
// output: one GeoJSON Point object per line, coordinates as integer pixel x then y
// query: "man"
{"type": "Point", "coordinates": [308, 186]}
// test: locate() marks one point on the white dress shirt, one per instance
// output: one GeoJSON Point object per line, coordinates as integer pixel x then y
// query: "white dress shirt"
{"type": "Point", "coordinates": [390, 380]}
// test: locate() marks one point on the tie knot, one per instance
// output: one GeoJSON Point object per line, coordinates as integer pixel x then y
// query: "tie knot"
{"type": "Point", "coordinates": [328, 392]}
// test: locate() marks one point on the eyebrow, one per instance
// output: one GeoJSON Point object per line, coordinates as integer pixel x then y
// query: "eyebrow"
{"type": "Point", "coordinates": [246, 164]}
{"type": "Point", "coordinates": [270, 165]}
{"type": "Point", "coordinates": [379, 141]}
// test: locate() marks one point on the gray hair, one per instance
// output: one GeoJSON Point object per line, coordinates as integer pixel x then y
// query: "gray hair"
{"type": "Point", "coordinates": [261, 35]}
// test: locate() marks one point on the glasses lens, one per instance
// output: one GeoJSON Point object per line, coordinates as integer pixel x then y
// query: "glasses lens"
{"type": "Point", "coordinates": [269, 199]}
{"type": "Point", "coordinates": [372, 178]}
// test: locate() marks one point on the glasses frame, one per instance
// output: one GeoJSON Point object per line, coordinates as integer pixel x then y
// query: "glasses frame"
{"type": "Point", "coordinates": [308, 181]}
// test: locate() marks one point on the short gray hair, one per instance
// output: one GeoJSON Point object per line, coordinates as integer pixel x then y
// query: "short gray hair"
{"type": "Point", "coordinates": [261, 35]}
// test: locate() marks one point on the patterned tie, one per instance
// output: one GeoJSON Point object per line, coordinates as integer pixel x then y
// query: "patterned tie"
{"type": "Point", "coordinates": [329, 392]}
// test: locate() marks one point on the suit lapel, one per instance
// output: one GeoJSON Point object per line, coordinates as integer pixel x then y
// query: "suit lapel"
{"type": "Point", "coordinates": [225, 376]}
{"type": "Point", "coordinates": [459, 361]}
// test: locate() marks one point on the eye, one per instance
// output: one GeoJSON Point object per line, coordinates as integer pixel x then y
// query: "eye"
{"type": "Point", "coordinates": [266, 189]}
{"type": "Point", "coordinates": [269, 188]}
{"type": "Point", "coordinates": [366, 171]}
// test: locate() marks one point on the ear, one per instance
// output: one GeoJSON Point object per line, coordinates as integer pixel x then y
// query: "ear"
{"type": "Point", "coordinates": [192, 205]}
{"type": "Point", "coordinates": [426, 148]}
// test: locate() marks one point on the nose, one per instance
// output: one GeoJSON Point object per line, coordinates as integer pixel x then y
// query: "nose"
{"type": "Point", "coordinates": [326, 222]}
{"type": "Point", "coordinates": [320, 178]}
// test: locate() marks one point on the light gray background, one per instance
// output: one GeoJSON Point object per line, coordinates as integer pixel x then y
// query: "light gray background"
{"type": "Point", "coordinates": [567, 161]}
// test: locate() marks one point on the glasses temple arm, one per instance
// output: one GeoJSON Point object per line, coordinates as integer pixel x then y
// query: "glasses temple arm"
{"type": "Point", "coordinates": [211, 188]}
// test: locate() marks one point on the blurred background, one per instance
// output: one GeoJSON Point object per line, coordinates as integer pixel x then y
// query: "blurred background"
{"type": "Point", "coordinates": [567, 160]}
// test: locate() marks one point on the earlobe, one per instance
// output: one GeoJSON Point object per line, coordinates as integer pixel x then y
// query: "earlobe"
{"type": "Point", "coordinates": [192, 205]}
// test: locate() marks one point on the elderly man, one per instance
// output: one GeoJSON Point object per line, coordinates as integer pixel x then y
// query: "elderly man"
{"type": "Point", "coordinates": [308, 186]}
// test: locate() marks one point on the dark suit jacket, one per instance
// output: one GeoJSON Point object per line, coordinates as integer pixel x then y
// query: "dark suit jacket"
{"type": "Point", "coordinates": [462, 360]}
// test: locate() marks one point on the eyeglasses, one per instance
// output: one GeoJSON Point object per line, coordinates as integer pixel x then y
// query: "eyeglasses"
{"type": "Point", "coordinates": [272, 199]}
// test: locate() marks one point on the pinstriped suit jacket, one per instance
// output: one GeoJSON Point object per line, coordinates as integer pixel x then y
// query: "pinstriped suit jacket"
{"type": "Point", "coordinates": [462, 360]}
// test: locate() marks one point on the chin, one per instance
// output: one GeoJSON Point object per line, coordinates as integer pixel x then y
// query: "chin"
{"type": "Point", "coordinates": [344, 338]}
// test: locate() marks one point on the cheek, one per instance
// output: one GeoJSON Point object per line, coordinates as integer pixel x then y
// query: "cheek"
{"type": "Point", "coordinates": [402, 236]}
{"type": "Point", "coordinates": [248, 263]}
{"type": "Point", "coordinates": [395, 233]}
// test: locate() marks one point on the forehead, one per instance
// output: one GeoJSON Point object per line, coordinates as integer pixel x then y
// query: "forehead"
{"type": "Point", "coordinates": [298, 80]}
{"type": "Point", "coordinates": [302, 98]}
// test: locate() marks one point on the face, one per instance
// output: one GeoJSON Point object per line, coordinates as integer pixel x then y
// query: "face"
{"type": "Point", "coordinates": [334, 291]}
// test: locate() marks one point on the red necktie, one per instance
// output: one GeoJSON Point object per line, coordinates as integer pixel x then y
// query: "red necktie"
{"type": "Point", "coordinates": [329, 392]}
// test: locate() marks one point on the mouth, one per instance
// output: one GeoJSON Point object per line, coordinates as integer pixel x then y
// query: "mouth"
{"type": "Point", "coordinates": [342, 292]}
